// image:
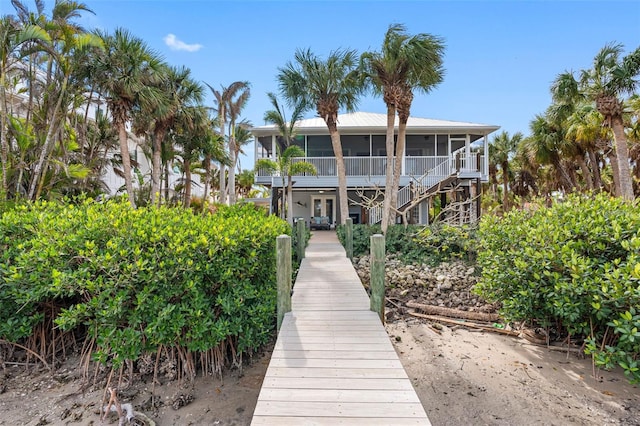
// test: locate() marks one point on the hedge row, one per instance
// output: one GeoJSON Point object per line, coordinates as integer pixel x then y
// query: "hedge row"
{"type": "Point", "coordinates": [132, 281]}
{"type": "Point", "coordinates": [575, 265]}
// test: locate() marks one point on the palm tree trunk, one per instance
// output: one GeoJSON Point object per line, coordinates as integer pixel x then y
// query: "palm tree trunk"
{"type": "Point", "coordinates": [126, 160]}
{"type": "Point", "coordinates": [505, 186]}
{"type": "Point", "coordinates": [4, 141]}
{"type": "Point", "coordinates": [622, 152]}
{"type": "Point", "coordinates": [48, 143]}
{"type": "Point", "coordinates": [388, 187]}
{"type": "Point", "coordinates": [615, 172]}
{"type": "Point", "coordinates": [595, 168]}
{"type": "Point", "coordinates": [207, 179]}
{"type": "Point", "coordinates": [232, 170]}
{"type": "Point", "coordinates": [342, 175]}
{"type": "Point", "coordinates": [187, 182]}
{"type": "Point", "coordinates": [156, 161]}
{"type": "Point", "coordinates": [397, 169]}
{"type": "Point", "coordinates": [290, 201]}
{"type": "Point", "coordinates": [586, 173]}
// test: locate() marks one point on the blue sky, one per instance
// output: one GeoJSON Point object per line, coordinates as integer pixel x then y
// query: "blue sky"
{"type": "Point", "coordinates": [500, 60]}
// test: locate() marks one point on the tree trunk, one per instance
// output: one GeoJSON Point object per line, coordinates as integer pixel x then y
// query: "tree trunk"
{"type": "Point", "coordinates": [290, 201]}
{"type": "Point", "coordinates": [397, 169]}
{"type": "Point", "coordinates": [388, 187]}
{"type": "Point", "coordinates": [342, 175]}
{"type": "Point", "coordinates": [156, 160]}
{"type": "Point", "coordinates": [187, 182]}
{"type": "Point", "coordinates": [126, 160]}
{"type": "Point", "coordinates": [207, 179]}
{"type": "Point", "coordinates": [595, 169]}
{"type": "Point", "coordinates": [4, 141]}
{"type": "Point", "coordinates": [505, 186]}
{"type": "Point", "coordinates": [615, 172]}
{"type": "Point", "coordinates": [232, 170]}
{"type": "Point", "coordinates": [48, 143]}
{"type": "Point", "coordinates": [622, 152]}
{"type": "Point", "coordinates": [586, 173]}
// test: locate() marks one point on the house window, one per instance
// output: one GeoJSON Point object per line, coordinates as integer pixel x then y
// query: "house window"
{"type": "Point", "coordinates": [319, 146]}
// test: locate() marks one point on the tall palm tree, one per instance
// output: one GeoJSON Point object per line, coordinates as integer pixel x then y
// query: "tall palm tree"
{"type": "Point", "coordinates": [233, 97]}
{"type": "Point", "coordinates": [12, 37]}
{"type": "Point", "coordinates": [286, 165]}
{"type": "Point", "coordinates": [126, 74]}
{"type": "Point", "coordinates": [611, 78]}
{"type": "Point", "coordinates": [404, 64]}
{"type": "Point", "coordinates": [504, 148]}
{"type": "Point", "coordinates": [67, 43]}
{"type": "Point", "coordinates": [178, 95]}
{"type": "Point", "coordinates": [234, 108]}
{"type": "Point", "coordinates": [328, 85]}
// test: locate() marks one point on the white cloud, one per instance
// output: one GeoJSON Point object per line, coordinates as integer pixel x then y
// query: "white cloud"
{"type": "Point", "coordinates": [174, 44]}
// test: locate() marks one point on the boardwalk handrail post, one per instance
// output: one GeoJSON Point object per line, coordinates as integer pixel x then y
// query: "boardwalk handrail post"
{"type": "Point", "coordinates": [300, 237]}
{"type": "Point", "coordinates": [377, 275]}
{"type": "Point", "coordinates": [348, 237]}
{"type": "Point", "coordinates": [283, 275]}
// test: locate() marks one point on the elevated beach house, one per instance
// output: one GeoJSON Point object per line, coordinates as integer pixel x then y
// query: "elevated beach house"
{"type": "Point", "coordinates": [444, 159]}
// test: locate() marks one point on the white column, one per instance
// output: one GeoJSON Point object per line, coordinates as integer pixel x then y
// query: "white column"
{"type": "Point", "coordinates": [486, 155]}
{"type": "Point", "coordinates": [467, 151]}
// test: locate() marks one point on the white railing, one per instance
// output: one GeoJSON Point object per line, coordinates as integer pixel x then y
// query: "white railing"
{"type": "Point", "coordinates": [417, 166]}
{"type": "Point", "coordinates": [417, 188]}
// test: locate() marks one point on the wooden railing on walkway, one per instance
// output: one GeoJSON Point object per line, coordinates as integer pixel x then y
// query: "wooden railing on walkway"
{"type": "Point", "coordinates": [333, 362]}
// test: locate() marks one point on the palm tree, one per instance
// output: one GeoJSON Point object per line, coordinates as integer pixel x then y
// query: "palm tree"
{"type": "Point", "coordinates": [126, 74]}
{"type": "Point", "coordinates": [328, 85]}
{"type": "Point", "coordinates": [12, 37]}
{"type": "Point", "coordinates": [193, 134]}
{"type": "Point", "coordinates": [67, 42]}
{"type": "Point", "coordinates": [224, 99]}
{"type": "Point", "coordinates": [504, 148]}
{"type": "Point", "coordinates": [234, 108]}
{"type": "Point", "coordinates": [546, 144]}
{"type": "Point", "coordinates": [178, 95]}
{"type": "Point", "coordinates": [610, 78]}
{"type": "Point", "coordinates": [277, 117]}
{"type": "Point", "coordinates": [404, 64]}
{"type": "Point", "coordinates": [286, 165]}
{"type": "Point", "coordinates": [585, 127]}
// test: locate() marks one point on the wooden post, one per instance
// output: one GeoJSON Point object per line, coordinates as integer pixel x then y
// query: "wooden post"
{"type": "Point", "coordinates": [348, 237]}
{"type": "Point", "coordinates": [377, 275]}
{"type": "Point", "coordinates": [283, 274]}
{"type": "Point", "coordinates": [300, 225]}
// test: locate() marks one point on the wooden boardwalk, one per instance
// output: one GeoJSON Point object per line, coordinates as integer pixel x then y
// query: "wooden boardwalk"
{"type": "Point", "coordinates": [333, 362]}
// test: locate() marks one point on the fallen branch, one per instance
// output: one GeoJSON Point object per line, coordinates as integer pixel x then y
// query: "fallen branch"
{"type": "Point", "coordinates": [464, 323]}
{"type": "Point", "coordinates": [453, 313]}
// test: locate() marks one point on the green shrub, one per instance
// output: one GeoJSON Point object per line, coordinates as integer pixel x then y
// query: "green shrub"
{"type": "Point", "coordinates": [137, 280]}
{"type": "Point", "coordinates": [417, 243]}
{"type": "Point", "coordinates": [576, 265]}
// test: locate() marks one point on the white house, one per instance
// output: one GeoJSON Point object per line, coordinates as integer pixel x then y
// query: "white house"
{"type": "Point", "coordinates": [440, 156]}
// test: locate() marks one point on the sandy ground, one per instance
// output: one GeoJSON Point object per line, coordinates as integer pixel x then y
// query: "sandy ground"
{"type": "Point", "coordinates": [461, 377]}
{"type": "Point", "coordinates": [475, 378]}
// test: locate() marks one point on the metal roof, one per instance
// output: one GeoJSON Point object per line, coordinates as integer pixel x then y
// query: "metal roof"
{"type": "Point", "coordinates": [370, 122]}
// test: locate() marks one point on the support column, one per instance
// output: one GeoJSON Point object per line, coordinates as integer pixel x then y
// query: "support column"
{"type": "Point", "coordinates": [283, 276]}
